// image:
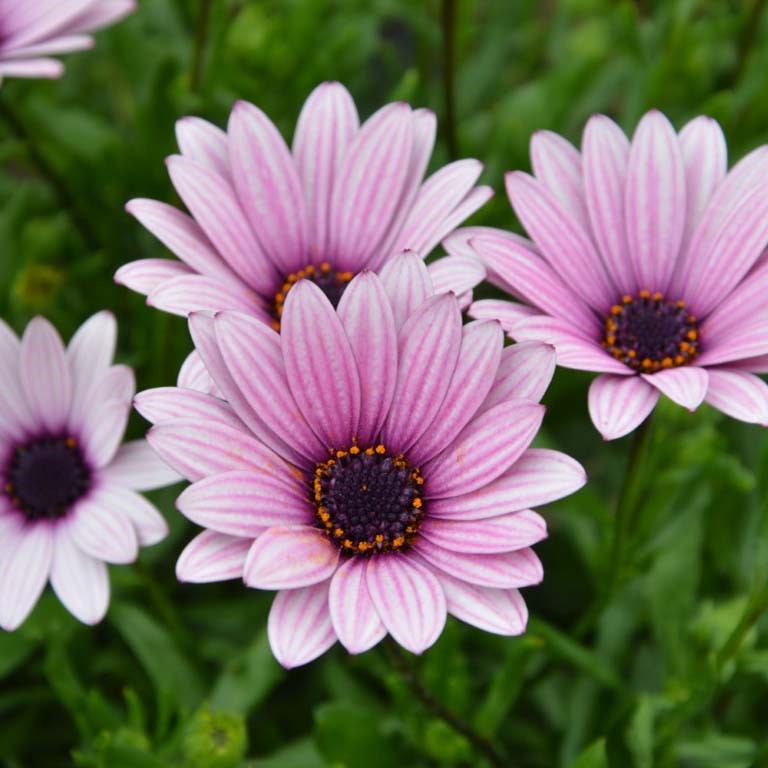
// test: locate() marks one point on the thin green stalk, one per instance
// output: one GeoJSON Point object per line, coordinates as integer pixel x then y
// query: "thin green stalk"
{"type": "Point", "coordinates": [201, 39]}
{"type": "Point", "coordinates": [756, 607]}
{"type": "Point", "coordinates": [67, 201]}
{"type": "Point", "coordinates": [405, 669]}
{"type": "Point", "coordinates": [448, 24]}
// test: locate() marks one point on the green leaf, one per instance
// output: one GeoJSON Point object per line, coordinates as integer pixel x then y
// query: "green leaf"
{"type": "Point", "coordinates": [593, 756]}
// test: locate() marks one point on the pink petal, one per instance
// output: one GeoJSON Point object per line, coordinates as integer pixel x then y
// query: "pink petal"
{"type": "Point", "coordinates": [47, 68]}
{"type": "Point", "coordinates": [138, 467]}
{"type": "Point", "coordinates": [525, 371]}
{"type": "Point", "coordinates": [145, 275]}
{"type": "Point", "coordinates": [184, 294]}
{"type": "Point", "coordinates": [562, 240]}
{"type": "Point", "coordinates": [149, 524]}
{"type": "Point", "coordinates": [197, 449]}
{"type": "Point", "coordinates": [15, 416]}
{"type": "Point", "coordinates": [501, 533]}
{"type": "Point", "coordinates": [684, 386]}
{"type": "Point", "coordinates": [605, 157]}
{"type": "Point", "coordinates": [167, 403]}
{"type": "Point", "coordinates": [407, 283]}
{"type": "Point", "coordinates": [501, 611]}
{"type": "Point", "coordinates": [299, 625]}
{"type": "Point", "coordinates": [182, 235]}
{"type": "Point", "coordinates": [502, 570]}
{"type": "Point", "coordinates": [573, 351]}
{"type": "Point", "coordinates": [103, 429]}
{"type": "Point", "coordinates": [739, 394]}
{"type": "Point", "coordinates": [618, 404]}
{"type": "Point", "coordinates": [705, 158]}
{"type": "Point", "coordinates": [205, 143]}
{"type": "Point", "coordinates": [437, 198]}
{"type": "Point", "coordinates": [224, 222]}
{"type": "Point", "coordinates": [268, 187]}
{"type": "Point", "coordinates": [242, 503]}
{"type": "Point", "coordinates": [508, 313]}
{"type": "Point", "coordinates": [488, 446]}
{"type": "Point", "coordinates": [516, 268]}
{"type": "Point", "coordinates": [369, 324]}
{"type": "Point", "coordinates": [327, 125]}
{"type": "Point", "coordinates": [409, 600]}
{"type": "Point", "coordinates": [369, 185]}
{"type": "Point", "coordinates": [289, 557]}
{"type": "Point", "coordinates": [80, 581]}
{"type": "Point", "coordinates": [557, 164]}
{"type": "Point", "coordinates": [102, 529]}
{"type": "Point", "coordinates": [353, 615]}
{"type": "Point", "coordinates": [45, 374]}
{"type": "Point", "coordinates": [212, 556]}
{"type": "Point", "coordinates": [254, 357]}
{"type": "Point", "coordinates": [59, 45]}
{"type": "Point", "coordinates": [539, 476]}
{"type": "Point", "coordinates": [24, 570]}
{"type": "Point", "coordinates": [194, 375]}
{"type": "Point", "coordinates": [432, 332]}
{"type": "Point", "coordinates": [424, 124]}
{"type": "Point", "coordinates": [456, 273]}
{"type": "Point", "coordinates": [202, 329]}
{"type": "Point", "coordinates": [655, 202]}
{"type": "Point", "coordinates": [320, 365]}
{"type": "Point", "coordinates": [481, 345]}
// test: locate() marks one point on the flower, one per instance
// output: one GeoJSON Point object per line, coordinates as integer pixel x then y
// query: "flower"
{"type": "Point", "coordinates": [344, 199]}
{"type": "Point", "coordinates": [68, 500]}
{"type": "Point", "coordinates": [33, 30]}
{"type": "Point", "coordinates": [370, 464]}
{"type": "Point", "coordinates": [645, 267]}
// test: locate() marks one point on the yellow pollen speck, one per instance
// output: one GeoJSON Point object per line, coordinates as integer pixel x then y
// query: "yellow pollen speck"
{"type": "Point", "coordinates": [692, 335]}
{"type": "Point", "coordinates": [626, 298]}
{"type": "Point", "coordinates": [399, 541]}
{"type": "Point", "coordinates": [354, 450]}
{"type": "Point", "coordinates": [645, 294]}
{"type": "Point", "coordinates": [340, 454]}
{"type": "Point", "coordinates": [337, 532]}
{"type": "Point", "coordinates": [647, 362]}
{"type": "Point", "coordinates": [325, 267]}
{"type": "Point", "coordinates": [364, 487]}
{"type": "Point", "coordinates": [616, 309]}
{"type": "Point", "coordinates": [658, 296]}
{"type": "Point", "coordinates": [380, 449]}
{"type": "Point", "coordinates": [379, 537]}
{"type": "Point", "coordinates": [667, 362]}
{"type": "Point", "coordinates": [632, 353]}
{"type": "Point", "coordinates": [70, 442]}
{"type": "Point", "coordinates": [417, 503]}
{"type": "Point", "coordinates": [679, 360]}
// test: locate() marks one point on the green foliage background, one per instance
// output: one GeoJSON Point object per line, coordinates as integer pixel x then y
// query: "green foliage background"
{"type": "Point", "coordinates": [660, 662]}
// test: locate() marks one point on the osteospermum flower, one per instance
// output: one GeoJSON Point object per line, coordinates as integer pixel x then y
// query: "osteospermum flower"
{"type": "Point", "coordinates": [31, 31]}
{"type": "Point", "coordinates": [68, 501]}
{"type": "Point", "coordinates": [645, 267]}
{"type": "Point", "coordinates": [372, 465]}
{"type": "Point", "coordinates": [345, 198]}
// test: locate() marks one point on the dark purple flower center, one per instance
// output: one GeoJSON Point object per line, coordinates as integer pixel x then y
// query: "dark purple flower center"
{"type": "Point", "coordinates": [367, 500]}
{"type": "Point", "coordinates": [331, 283]}
{"type": "Point", "coordinates": [45, 476]}
{"type": "Point", "coordinates": [649, 334]}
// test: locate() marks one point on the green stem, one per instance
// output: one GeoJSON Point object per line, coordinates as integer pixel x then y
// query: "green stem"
{"type": "Point", "coordinates": [432, 704]}
{"type": "Point", "coordinates": [201, 38]}
{"type": "Point", "coordinates": [628, 505]}
{"type": "Point", "coordinates": [448, 24]}
{"type": "Point", "coordinates": [756, 607]}
{"type": "Point", "coordinates": [50, 174]}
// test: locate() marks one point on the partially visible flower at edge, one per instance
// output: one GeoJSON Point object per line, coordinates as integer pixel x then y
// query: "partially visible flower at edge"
{"type": "Point", "coordinates": [372, 465]}
{"type": "Point", "coordinates": [34, 30]}
{"type": "Point", "coordinates": [68, 500]}
{"type": "Point", "coordinates": [646, 266]}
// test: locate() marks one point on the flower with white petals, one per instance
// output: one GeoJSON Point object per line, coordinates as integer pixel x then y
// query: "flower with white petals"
{"type": "Point", "coordinates": [68, 489]}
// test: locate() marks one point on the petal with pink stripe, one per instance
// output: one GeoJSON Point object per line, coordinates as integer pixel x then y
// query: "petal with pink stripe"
{"type": "Point", "coordinates": [212, 556]}
{"type": "Point", "coordinates": [619, 404]}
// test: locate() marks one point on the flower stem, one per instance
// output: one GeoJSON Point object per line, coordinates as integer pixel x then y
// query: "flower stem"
{"type": "Point", "coordinates": [50, 174]}
{"type": "Point", "coordinates": [448, 24]}
{"type": "Point", "coordinates": [405, 669]}
{"type": "Point", "coordinates": [628, 504]}
{"type": "Point", "coordinates": [201, 38]}
{"type": "Point", "coordinates": [756, 607]}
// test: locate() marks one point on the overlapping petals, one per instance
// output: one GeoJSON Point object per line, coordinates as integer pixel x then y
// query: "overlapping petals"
{"type": "Point", "coordinates": [657, 215]}
{"type": "Point", "coordinates": [49, 394]}
{"type": "Point", "coordinates": [33, 31]}
{"type": "Point", "coordinates": [390, 367]}
{"type": "Point", "coordinates": [346, 195]}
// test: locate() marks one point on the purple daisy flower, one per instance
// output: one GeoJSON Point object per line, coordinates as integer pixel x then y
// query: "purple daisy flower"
{"type": "Point", "coordinates": [68, 500]}
{"type": "Point", "coordinates": [371, 464]}
{"type": "Point", "coordinates": [645, 267]}
{"type": "Point", "coordinates": [31, 31]}
{"type": "Point", "coordinates": [345, 198]}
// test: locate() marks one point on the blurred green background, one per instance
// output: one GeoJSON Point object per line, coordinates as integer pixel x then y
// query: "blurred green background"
{"type": "Point", "coordinates": [661, 663]}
